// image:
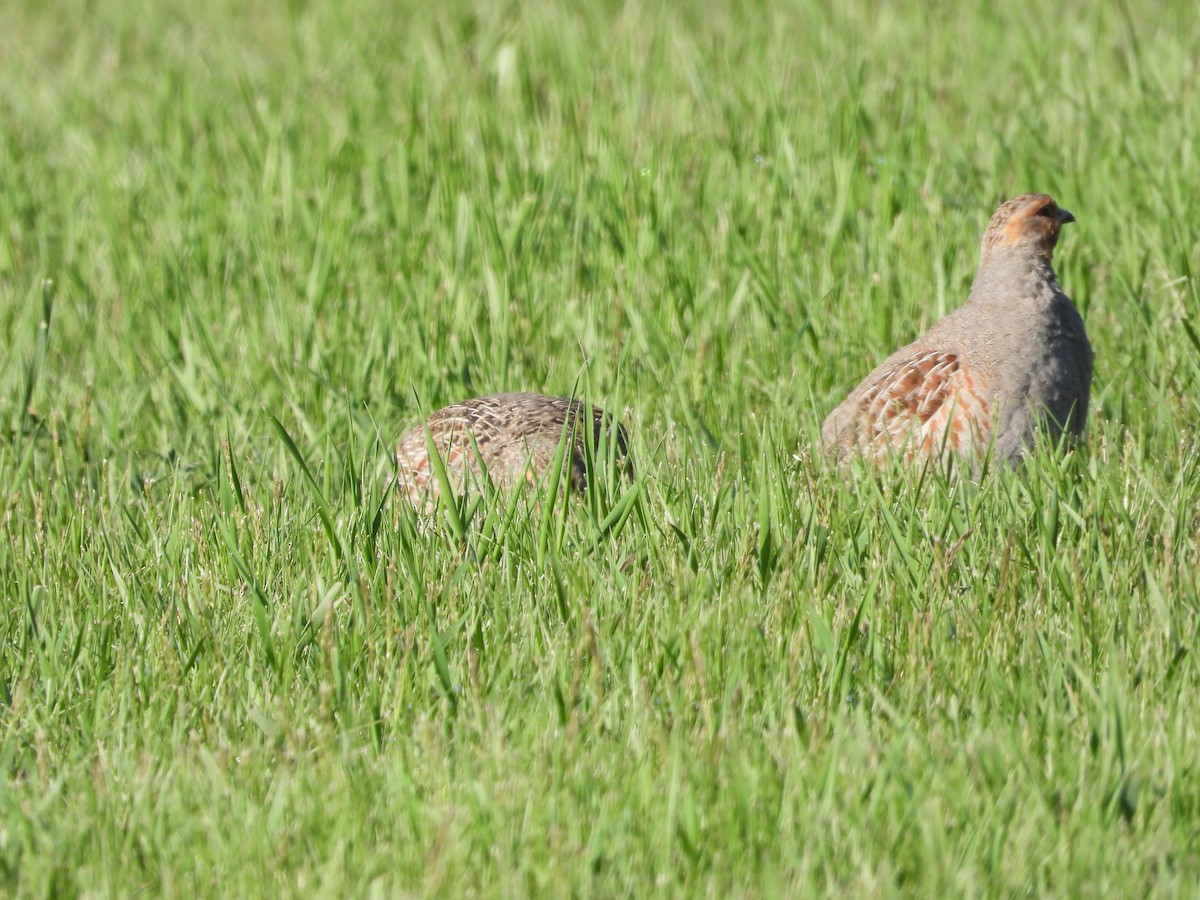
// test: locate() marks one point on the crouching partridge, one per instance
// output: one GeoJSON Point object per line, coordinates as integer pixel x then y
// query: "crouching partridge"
{"type": "Point", "coordinates": [516, 437]}
{"type": "Point", "coordinates": [1013, 361]}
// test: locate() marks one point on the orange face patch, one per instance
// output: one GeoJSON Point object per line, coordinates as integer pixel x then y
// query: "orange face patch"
{"type": "Point", "coordinates": [1030, 223]}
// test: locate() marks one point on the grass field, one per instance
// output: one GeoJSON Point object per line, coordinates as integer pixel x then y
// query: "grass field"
{"type": "Point", "coordinates": [243, 245]}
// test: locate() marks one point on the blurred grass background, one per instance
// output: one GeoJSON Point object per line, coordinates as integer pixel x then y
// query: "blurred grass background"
{"type": "Point", "coordinates": [228, 667]}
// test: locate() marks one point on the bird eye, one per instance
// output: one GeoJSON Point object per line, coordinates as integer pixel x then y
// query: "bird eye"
{"type": "Point", "coordinates": [1050, 211]}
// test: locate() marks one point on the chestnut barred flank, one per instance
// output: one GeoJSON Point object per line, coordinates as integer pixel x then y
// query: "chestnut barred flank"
{"type": "Point", "coordinates": [1012, 362]}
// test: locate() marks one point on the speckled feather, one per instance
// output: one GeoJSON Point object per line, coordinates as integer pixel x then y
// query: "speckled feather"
{"type": "Point", "coordinates": [516, 436]}
{"type": "Point", "coordinates": [1013, 360]}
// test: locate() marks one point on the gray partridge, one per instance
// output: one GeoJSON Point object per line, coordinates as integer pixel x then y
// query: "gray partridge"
{"type": "Point", "coordinates": [1013, 361]}
{"type": "Point", "coordinates": [515, 436]}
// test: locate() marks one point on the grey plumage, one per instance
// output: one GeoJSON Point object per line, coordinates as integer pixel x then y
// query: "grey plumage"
{"type": "Point", "coordinates": [1013, 361]}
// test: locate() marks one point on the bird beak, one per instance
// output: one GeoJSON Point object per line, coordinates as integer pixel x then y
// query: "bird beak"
{"type": "Point", "coordinates": [1064, 216]}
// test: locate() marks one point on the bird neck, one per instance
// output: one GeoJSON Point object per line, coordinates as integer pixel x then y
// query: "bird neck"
{"type": "Point", "coordinates": [1005, 276]}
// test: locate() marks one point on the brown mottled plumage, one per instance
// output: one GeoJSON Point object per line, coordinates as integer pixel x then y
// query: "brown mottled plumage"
{"type": "Point", "coordinates": [517, 436]}
{"type": "Point", "coordinates": [1012, 361]}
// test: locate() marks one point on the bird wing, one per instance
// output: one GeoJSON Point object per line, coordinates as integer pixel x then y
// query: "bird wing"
{"type": "Point", "coordinates": [919, 406]}
{"type": "Point", "coordinates": [453, 431]}
{"type": "Point", "coordinates": [508, 431]}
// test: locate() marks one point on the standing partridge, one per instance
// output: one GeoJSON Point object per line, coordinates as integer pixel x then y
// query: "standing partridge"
{"type": "Point", "coordinates": [1013, 361]}
{"type": "Point", "coordinates": [515, 436]}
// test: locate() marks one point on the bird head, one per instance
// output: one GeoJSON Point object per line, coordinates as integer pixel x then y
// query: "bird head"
{"type": "Point", "coordinates": [1027, 225]}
